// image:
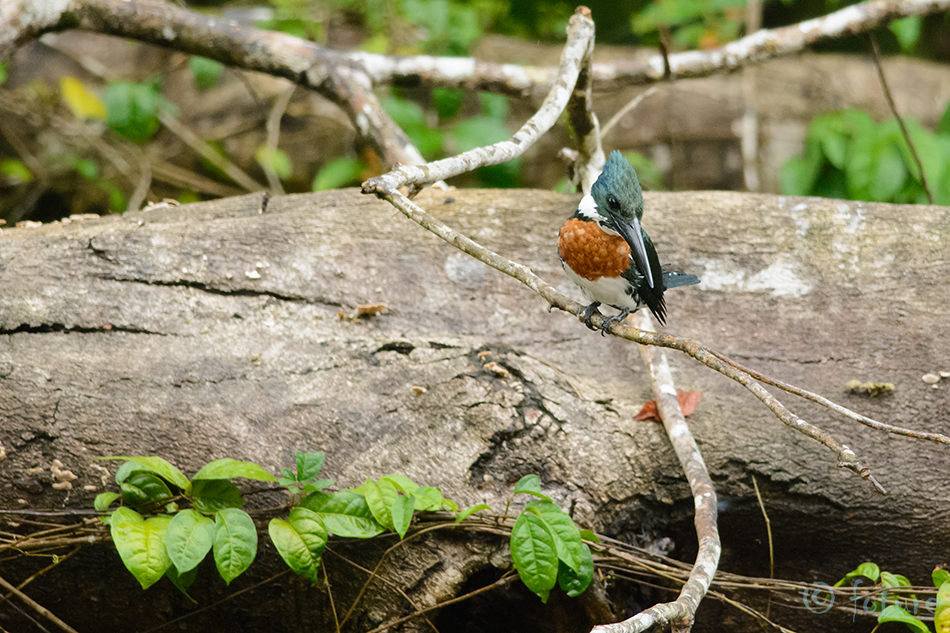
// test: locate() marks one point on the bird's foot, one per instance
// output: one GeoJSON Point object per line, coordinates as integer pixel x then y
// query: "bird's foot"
{"type": "Point", "coordinates": [590, 311]}
{"type": "Point", "coordinates": [617, 318]}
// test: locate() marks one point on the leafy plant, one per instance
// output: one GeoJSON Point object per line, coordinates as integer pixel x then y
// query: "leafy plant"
{"type": "Point", "coordinates": [133, 109]}
{"type": "Point", "coordinates": [848, 155]}
{"type": "Point", "coordinates": [167, 523]}
{"type": "Point", "coordinates": [891, 606]}
{"type": "Point", "coordinates": [206, 71]}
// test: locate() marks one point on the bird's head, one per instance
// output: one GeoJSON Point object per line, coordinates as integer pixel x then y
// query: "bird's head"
{"type": "Point", "coordinates": [617, 191]}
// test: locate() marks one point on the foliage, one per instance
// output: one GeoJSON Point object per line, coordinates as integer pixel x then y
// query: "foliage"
{"type": "Point", "coordinates": [848, 155]}
{"type": "Point", "coordinates": [206, 71]}
{"type": "Point", "coordinates": [167, 523]}
{"type": "Point", "coordinates": [133, 108]}
{"type": "Point", "coordinates": [692, 23]}
{"type": "Point", "coordinates": [894, 595]}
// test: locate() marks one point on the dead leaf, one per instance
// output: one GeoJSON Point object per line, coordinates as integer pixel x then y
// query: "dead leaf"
{"type": "Point", "coordinates": [370, 309]}
{"type": "Point", "coordinates": [686, 399]}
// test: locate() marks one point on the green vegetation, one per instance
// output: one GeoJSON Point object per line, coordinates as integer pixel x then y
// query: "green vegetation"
{"type": "Point", "coordinates": [167, 523]}
{"type": "Point", "coordinates": [848, 155]}
{"type": "Point", "coordinates": [897, 601]}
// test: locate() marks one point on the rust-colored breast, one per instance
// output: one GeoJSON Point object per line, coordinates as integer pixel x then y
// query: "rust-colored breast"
{"type": "Point", "coordinates": [590, 251]}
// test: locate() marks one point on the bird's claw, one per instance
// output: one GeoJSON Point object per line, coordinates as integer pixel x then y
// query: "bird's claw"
{"type": "Point", "coordinates": [590, 311]}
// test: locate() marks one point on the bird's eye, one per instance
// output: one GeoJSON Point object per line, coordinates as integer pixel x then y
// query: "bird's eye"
{"type": "Point", "coordinates": [613, 203]}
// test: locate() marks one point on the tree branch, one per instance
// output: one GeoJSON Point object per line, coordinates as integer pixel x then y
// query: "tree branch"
{"type": "Point", "coordinates": [681, 612]}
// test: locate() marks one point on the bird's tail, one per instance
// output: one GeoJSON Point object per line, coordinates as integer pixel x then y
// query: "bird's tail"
{"type": "Point", "coordinates": [677, 278]}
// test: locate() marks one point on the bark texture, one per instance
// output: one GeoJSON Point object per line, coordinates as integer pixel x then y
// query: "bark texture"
{"type": "Point", "coordinates": [227, 329]}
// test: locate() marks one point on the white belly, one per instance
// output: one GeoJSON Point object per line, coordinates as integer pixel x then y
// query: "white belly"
{"type": "Point", "coordinates": [611, 291]}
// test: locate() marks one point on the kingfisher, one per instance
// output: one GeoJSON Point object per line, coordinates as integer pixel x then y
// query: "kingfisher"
{"type": "Point", "coordinates": [606, 252]}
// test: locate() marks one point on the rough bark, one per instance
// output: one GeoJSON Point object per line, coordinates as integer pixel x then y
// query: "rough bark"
{"type": "Point", "coordinates": [217, 330]}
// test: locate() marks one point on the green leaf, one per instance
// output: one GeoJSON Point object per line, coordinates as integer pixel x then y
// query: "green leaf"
{"type": "Point", "coordinates": [317, 485]}
{"type": "Point", "coordinates": [567, 538]}
{"type": "Point", "coordinates": [276, 159]}
{"type": "Point", "coordinates": [895, 613]}
{"type": "Point", "coordinates": [867, 570]}
{"type": "Point", "coordinates": [309, 465]}
{"type": "Point", "coordinates": [534, 554]}
{"type": "Point", "coordinates": [401, 512]}
{"type": "Point", "coordinates": [339, 172]}
{"type": "Point", "coordinates": [141, 544]}
{"type": "Point", "coordinates": [206, 71]}
{"type": "Point", "coordinates": [943, 596]}
{"type": "Point", "coordinates": [412, 119]}
{"type": "Point", "coordinates": [572, 582]}
{"type": "Point", "coordinates": [893, 580]}
{"type": "Point", "coordinates": [447, 101]}
{"type": "Point", "coordinates": [211, 495]}
{"type": "Point", "coordinates": [344, 513]}
{"type": "Point", "coordinates": [943, 127]}
{"type": "Point", "coordinates": [402, 483]}
{"type": "Point", "coordinates": [228, 468]}
{"type": "Point", "coordinates": [235, 542]}
{"type": "Point", "coordinates": [144, 488]}
{"type": "Point", "coordinates": [427, 499]}
{"type": "Point", "coordinates": [300, 541]}
{"type": "Point", "coordinates": [380, 497]}
{"type": "Point", "coordinates": [182, 581]}
{"type": "Point", "coordinates": [16, 171]}
{"type": "Point", "coordinates": [589, 535]}
{"type": "Point", "coordinates": [155, 465]}
{"type": "Point", "coordinates": [528, 483]}
{"type": "Point", "coordinates": [104, 500]}
{"type": "Point", "coordinates": [940, 576]}
{"type": "Point", "coordinates": [132, 109]}
{"type": "Point", "coordinates": [189, 539]}
{"type": "Point", "coordinates": [471, 510]}
{"type": "Point", "coordinates": [907, 32]}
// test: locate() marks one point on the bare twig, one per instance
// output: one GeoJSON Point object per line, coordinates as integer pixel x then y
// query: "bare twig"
{"type": "Point", "coordinates": [273, 136]}
{"type": "Point", "coordinates": [876, 56]}
{"type": "Point", "coordinates": [680, 612]}
{"type": "Point", "coordinates": [36, 606]}
{"type": "Point", "coordinates": [631, 105]}
{"type": "Point", "coordinates": [582, 121]}
{"type": "Point", "coordinates": [837, 408]}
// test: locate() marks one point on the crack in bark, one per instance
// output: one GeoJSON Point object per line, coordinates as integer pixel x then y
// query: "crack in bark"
{"type": "Point", "coordinates": [233, 292]}
{"type": "Point", "coordinates": [51, 328]}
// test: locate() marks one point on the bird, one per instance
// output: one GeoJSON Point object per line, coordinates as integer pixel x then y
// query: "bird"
{"type": "Point", "coordinates": [605, 251]}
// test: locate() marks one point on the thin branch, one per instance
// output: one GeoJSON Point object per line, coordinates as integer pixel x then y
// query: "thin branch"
{"type": "Point", "coordinates": [631, 105]}
{"type": "Point", "coordinates": [876, 56]}
{"type": "Point", "coordinates": [681, 612]}
{"type": "Point", "coordinates": [837, 408]}
{"type": "Point", "coordinates": [36, 606]}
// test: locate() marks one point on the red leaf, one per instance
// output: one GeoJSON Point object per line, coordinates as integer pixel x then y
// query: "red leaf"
{"type": "Point", "coordinates": [686, 399]}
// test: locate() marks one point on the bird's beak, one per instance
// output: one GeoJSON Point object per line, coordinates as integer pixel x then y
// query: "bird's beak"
{"type": "Point", "coordinates": [634, 237]}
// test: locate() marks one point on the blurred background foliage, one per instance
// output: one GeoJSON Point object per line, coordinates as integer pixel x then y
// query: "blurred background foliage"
{"type": "Point", "coordinates": [846, 153]}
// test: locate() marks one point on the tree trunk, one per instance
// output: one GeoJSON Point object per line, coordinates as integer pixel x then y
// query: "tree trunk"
{"type": "Point", "coordinates": [218, 330]}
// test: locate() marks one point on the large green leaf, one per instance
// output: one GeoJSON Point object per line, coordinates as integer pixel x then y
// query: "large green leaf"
{"type": "Point", "coordinates": [235, 542]}
{"type": "Point", "coordinates": [189, 539]}
{"type": "Point", "coordinates": [401, 512]}
{"type": "Point", "coordinates": [868, 570]}
{"type": "Point", "coordinates": [567, 538]}
{"type": "Point", "coordinates": [144, 488]}
{"type": "Point", "coordinates": [300, 541]}
{"type": "Point", "coordinates": [141, 544]}
{"type": "Point", "coordinates": [574, 583]}
{"type": "Point", "coordinates": [896, 613]}
{"type": "Point", "coordinates": [344, 513]}
{"type": "Point", "coordinates": [534, 554]}
{"type": "Point", "coordinates": [380, 496]}
{"type": "Point", "coordinates": [155, 465]}
{"type": "Point", "coordinates": [211, 495]}
{"type": "Point", "coordinates": [309, 465]}
{"type": "Point", "coordinates": [228, 468]}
